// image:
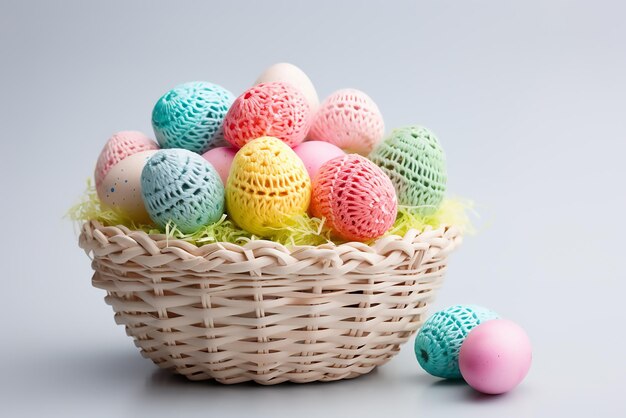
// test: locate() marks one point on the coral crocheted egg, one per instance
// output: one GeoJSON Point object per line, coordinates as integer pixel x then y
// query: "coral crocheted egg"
{"type": "Point", "coordinates": [191, 116]}
{"type": "Point", "coordinates": [274, 109]}
{"type": "Point", "coordinates": [415, 162]}
{"type": "Point", "coordinates": [349, 119]}
{"type": "Point", "coordinates": [182, 187]}
{"type": "Point", "coordinates": [267, 186]}
{"type": "Point", "coordinates": [293, 75]}
{"type": "Point", "coordinates": [118, 147]}
{"type": "Point", "coordinates": [121, 187]}
{"type": "Point", "coordinates": [356, 198]}
{"type": "Point", "coordinates": [438, 342]}
{"type": "Point", "coordinates": [315, 153]}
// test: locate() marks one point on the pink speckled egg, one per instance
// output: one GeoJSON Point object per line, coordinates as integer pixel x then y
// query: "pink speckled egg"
{"type": "Point", "coordinates": [121, 187]}
{"type": "Point", "coordinates": [349, 119]}
{"type": "Point", "coordinates": [315, 153]}
{"type": "Point", "coordinates": [495, 357]}
{"type": "Point", "coordinates": [221, 158]}
{"type": "Point", "coordinates": [275, 109]}
{"type": "Point", "coordinates": [356, 198]}
{"type": "Point", "coordinates": [118, 147]}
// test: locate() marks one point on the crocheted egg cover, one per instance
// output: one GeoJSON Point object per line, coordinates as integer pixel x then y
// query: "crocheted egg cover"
{"type": "Point", "coordinates": [191, 116]}
{"type": "Point", "coordinates": [438, 342]}
{"type": "Point", "coordinates": [356, 198]}
{"type": "Point", "coordinates": [349, 119]}
{"type": "Point", "coordinates": [119, 146]}
{"type": "Point", "coordinates": [267, 186]}
{"type": "Point", "coordinates": [415, 162]}
{"type": "Point", "coordinates": [274, 109]}
{"type": "Point", "coordinates": [182, 187]}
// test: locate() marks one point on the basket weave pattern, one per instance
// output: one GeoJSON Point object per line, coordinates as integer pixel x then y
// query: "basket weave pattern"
{"type": "Point", "coordinates": [264, 312]}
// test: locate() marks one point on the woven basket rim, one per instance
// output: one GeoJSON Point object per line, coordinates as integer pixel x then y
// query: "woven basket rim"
{"type": "Point", "coordinates": [117, 233]}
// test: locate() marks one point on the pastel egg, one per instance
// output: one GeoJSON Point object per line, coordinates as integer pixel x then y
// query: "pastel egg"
{"type": "Point", "coordinates": [495, 357]}
{"type": "Point", "coordinates": [274, 109]}
{"type": "Point", "coordinates": [267, 186]}
{"type": "Point", "coordinates": [355, 197]}
{"type": "Point", "coordinates": [350, 120]}
{"type": "Point", "coordinates": [293, 75]}
{"type": "Point", "coordinates": [414, 160]}
{"type": "Point", "coordinates": [221, 158]}
{"type": "Point", "coordinates": [191, 116]}
{"type": "Point", "coordinates": [121, 187]}
{"type": "Point", "coordinates": [180, 186]}
{"type": "Point", "coordinates": [118, 147]}
{"type": "Point", "coordinates": [438, 342]}
{"type": "Point", "coordinates": [315, 153]}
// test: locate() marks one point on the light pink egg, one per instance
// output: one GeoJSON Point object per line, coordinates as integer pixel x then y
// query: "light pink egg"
{"type": "Point", "coordinates": [118, 147]}
{"type": "Point", "coordinates": [315, 153]}
{"type": "Point", "coordinates": [495, 357]}
{"type": "Point", "coordinates": [221, 158]}
{"type": "Point", "coordinates": [121, 187]}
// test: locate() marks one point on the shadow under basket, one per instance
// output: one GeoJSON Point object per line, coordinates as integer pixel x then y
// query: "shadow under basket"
{"type": "Point", "coordinates": [265, 312]}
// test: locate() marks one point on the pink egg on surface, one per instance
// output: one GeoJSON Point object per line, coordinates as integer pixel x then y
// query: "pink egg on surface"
{"type": "Point", "coordinates": [495, 357]}
{"type": "Point", "coordinates": [121, 145]}
{"type": "Point", "coordinates": [221, 158]}
{"type": "Point", "coordinates": [315, 153]}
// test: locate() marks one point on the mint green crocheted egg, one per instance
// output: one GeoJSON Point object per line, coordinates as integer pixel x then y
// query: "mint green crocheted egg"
{"type": "Point", "coordinates": [182, 187]}
{"type": "Point", "coordinates": [415, 163]}
{"type": "Point", "coordinates": [438, 342]}
{"type": "Point", "coordinates": [191, 116]}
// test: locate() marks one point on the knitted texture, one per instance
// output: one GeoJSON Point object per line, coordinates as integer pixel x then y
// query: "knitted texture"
{"type": "Point", "coordinates": [349, 119]}
{"type": "Point", "coordinates": [274, 109]}
{"type": "Point", "coordinates": [415, 162]}
{"type": "Point", "coordinates": [118, 147]}
{"type": "Point", "coordinates": [191, 116]}
{"type": "Point", "coordinates": [293, 75]}
{"type": "Point", "coordinates": [355, 197]}
{"type": "Point", "coordinates": [438, 343]}
{"type": "Point", "coordinates": [267, 186]}
{"type": "Point", "coordinates": [182, 187]}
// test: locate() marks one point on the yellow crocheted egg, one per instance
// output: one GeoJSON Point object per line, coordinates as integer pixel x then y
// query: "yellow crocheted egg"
{"type": "Point", "coordinates": [267, 186]}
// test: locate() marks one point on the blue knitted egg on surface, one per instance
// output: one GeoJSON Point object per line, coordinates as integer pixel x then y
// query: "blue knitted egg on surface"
{"type": "Point", "coordinates": [180, 186]}
{"type": "Point", "coordinates": [438, 342]}
{"type": "Point", "coordinates": [191, 116]}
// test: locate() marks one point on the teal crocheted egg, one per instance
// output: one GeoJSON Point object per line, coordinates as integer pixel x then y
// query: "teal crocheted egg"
{"type": "Point", "coordinates": [182, 187]}
{"type": "Point", "coordinates": [415, 163]}
{"type": "Point", "coordinates": [191, 116]}
{"type": "Point", "coordinates": [438, 342]}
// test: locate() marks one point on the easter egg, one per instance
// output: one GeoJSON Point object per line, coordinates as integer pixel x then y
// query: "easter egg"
{"type": "Point", "coordinates": [267, 186]}
{"type": "Point", "coordinates": [118, 147]}
{"type": "Point", "coordinates": [438, 342]}
{"type": "Point", "coordinates": [355, 197]}
{"type": "Point", "coordinates": [274, 109]}
{"type": "Point", "coordinates": [191, 116]}
{"type": "Point", "coordinates": [221, 158]}
{"type": "Point", "coordinates": [182, 187]}
{"type": "Point", "coordinates": [350, 120]}
{"type": "Point", "coordinates": [495, 356]}
{"type": "Point", "coordinates": [121, 187]}
{"type": "Point", "coordinates": [315, 153]}
{"type": "Point", "coordinates": [415, 162]}
{"type": "Point", "coordinates": [293, 75]}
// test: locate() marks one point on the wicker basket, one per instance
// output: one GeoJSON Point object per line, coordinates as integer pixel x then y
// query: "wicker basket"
{"type": "Point", "coordinates": [264, 312]}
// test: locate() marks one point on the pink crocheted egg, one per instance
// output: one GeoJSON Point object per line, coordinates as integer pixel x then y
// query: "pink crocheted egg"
{"type": "Point", "coordinates": [118, 147]}
{"type": "Point", "coordinates": [356, 198]}
{"type": "Point", "coordinates": [315, 153]}
{"type": "Point", "coordinates": [349, 119]}
{"type": "Point", "coordinates": [221, 158]}
{"type": "Point", "coordinates": [274, 109]}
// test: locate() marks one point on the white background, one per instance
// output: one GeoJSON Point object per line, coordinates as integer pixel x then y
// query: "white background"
{"type": "Point", "coordinates": [527, 98]}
